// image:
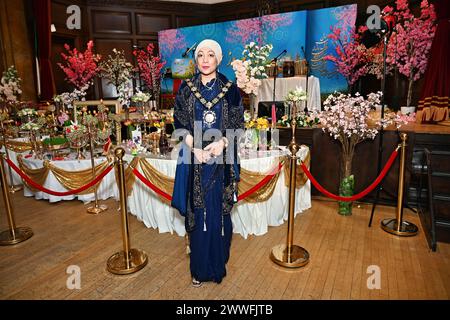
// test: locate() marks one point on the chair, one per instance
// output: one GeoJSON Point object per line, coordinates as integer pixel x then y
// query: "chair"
{"type": "Point", "coordinates": [438, 184]}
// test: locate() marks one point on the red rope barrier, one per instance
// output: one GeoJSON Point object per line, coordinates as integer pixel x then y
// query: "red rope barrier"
{"type": "Point", "coordinates": [151, 185]}
{"type": "Point", "coordinates": [249, 192]}
{"type": "Point", "coordinates": [260, 184]}
{"type": "Point", "coordinates": [362, 193]}
{"type": "Point", "coordinates": [35, 185]}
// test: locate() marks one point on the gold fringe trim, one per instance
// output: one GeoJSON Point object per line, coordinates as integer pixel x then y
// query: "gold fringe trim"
{"type": "Point", "coordinates": [433, 109]}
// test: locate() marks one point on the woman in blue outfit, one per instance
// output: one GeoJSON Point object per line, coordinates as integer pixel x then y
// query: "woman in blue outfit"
{"type": "Point", "coordinates": [209, 114]}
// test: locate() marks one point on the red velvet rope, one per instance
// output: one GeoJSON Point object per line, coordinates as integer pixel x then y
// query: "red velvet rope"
{"type": "Point", "coordinates": [260, 184]}
{"type": "Point", "coordinates": [151, 185]}
{"type": "Point", "coordinates": [249, 192]}
{"type": "Point", "coordinates": [35, 185]}
{"type": "Point", "coordinates": [362, 193]}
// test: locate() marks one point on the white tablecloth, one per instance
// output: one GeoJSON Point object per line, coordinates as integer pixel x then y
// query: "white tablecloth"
{"type": "Point", "coordinates": [17, 180]}
{"type": "Point", "coordinates": [247, 218]}
{"type": "Point", "coordinates": [284, 85]}
{"type": "Point", "coordinates": [106, 189]}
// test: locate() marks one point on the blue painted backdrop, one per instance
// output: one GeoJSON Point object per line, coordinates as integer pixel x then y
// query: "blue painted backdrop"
{"type": "Point", "coordinates": [290, 31]}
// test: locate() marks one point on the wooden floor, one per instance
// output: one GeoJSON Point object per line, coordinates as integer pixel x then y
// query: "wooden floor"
{"type": "Point", "coordinates": [341, 250]}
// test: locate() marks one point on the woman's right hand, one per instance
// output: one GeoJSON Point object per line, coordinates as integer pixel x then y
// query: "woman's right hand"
{"type": "Point", "coordinates": [202, 156]}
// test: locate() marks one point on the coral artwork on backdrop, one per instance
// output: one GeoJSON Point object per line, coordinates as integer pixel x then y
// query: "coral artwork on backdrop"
{"type": "Point", "coordinates": [173, 40]}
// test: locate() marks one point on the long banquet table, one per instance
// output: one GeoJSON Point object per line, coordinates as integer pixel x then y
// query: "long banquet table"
{"type": "Point", "coordinates": [247, 218]}
{"type": "Point", "coordinates": [17, 180]}
{"type": "Point", "coordinates": [106, 189]}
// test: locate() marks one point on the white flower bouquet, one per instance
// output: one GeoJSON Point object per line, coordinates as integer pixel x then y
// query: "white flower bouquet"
{"type": "Point", "coordinates": [140, 97]}
{"type": "Point", "coordinates": [26, 112]}
{"type": "Point", "coordinates": [252, 67]}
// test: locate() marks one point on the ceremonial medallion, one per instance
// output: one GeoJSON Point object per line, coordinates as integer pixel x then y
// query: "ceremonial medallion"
{"type": "Point", "coordinates": [209, 117]}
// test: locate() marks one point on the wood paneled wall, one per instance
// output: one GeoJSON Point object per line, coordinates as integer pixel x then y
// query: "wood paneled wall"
{"type": "Point", "coordinates": [16, 45]}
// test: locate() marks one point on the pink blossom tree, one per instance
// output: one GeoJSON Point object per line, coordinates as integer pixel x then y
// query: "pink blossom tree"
{"type": "Point", "coordinates": [351, 59]}
{"type": "Point", "coordinates": [411, 40]}
{"type": "Point", "coordinates": [80, 67]}
{"type": "Point", "coordinates": [149, 67]}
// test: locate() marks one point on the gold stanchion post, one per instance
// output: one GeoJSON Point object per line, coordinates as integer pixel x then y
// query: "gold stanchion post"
{"type": "Point", "coordinates": [96, 208]}
{"type": "Point", "coordinates": [14, 234]}
{"type": "Point", "coordinates": [397, 226]}
{"type": "Point", "coordinates": [290, 255]}
{"type": "Point", "coordinates": [129, 260]}
{"type": "Point", "coordinates": [12, 187]}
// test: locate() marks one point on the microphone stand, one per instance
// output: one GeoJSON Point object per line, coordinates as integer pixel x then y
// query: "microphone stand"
{"type": "Point", "coordinates": [307, 79]}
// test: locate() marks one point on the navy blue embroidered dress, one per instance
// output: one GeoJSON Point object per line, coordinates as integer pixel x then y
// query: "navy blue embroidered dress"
{"type": "Point", "coordinates": [209, 224]}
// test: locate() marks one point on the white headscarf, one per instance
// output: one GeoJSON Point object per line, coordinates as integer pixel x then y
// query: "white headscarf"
{"type": "Point", "coordinates": [211, 44]}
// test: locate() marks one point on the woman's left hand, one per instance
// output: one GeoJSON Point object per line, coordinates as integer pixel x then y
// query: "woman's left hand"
{"type": "Point", "coordinates": [215, 148]}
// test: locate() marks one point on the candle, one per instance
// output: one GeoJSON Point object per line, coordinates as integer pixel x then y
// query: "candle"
{"type": "Point", "coordinates": [274, 116]}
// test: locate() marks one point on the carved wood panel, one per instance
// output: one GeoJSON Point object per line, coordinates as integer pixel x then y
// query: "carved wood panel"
{"type": "Point", "coordinates": [111, 22]}
{"type": "Point", "coordinates": [150, 24]}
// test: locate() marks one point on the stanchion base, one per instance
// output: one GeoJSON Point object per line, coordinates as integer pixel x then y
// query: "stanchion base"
{"type": "Point", "coordinates": [298, 258]}
{"type": "Point", "coordinates": [407, 229]}
{"type": "Point", "coordinates": [116, 263]}
{"type": "Point", "coordinates": [20, 234]}
{"type": "Point", "coordinates": [13, 189]}
{"type": "Point", "coordinates": [97, 209]}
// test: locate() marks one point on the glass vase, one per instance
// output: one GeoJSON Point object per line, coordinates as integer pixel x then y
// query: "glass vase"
{"type": "Point", "coordinates": [251, 139]}
{"type": "Point", "coordinates": [346, 189]}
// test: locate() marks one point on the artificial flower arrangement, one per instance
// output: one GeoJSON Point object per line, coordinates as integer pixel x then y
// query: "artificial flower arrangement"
{"type": "Point", "coordinates": [150, 68]}
{"type": "Point", "coordinates": [352, 59]}
{"type": "Point", "coordinates": [410, 43]}
{"type": "Point", "coordinates": [296, 95]}
{"type": "Point", "coordinates": [31, 126]}
{"type": "Point", "coordinates": [80, 67]}
{"type": "Point", "coordinates": [10, 85]}
{"type": "Point", "coordinates": [27, 112]}
{"type": "Point", "coordinates": [254, 136]}
{"type": "Point", "coordinates": [118, 72]}
{"type": "Point", "coordinates": [116, 69]}
{"type": "Point", "coordinates": [159, 124]}
{"type": "Point", "coordinates": [140, 96]}
{"type": "Point", "coordinates": [261, 123]}
{"type": "Point", "coordinates": [252, 67]}
{"type": "Point", "coordinates": [345, 118]}
{"type": "Point", "coordinates": [303, 119]}
{"type": "Point", "coordinates": [67, 98]}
